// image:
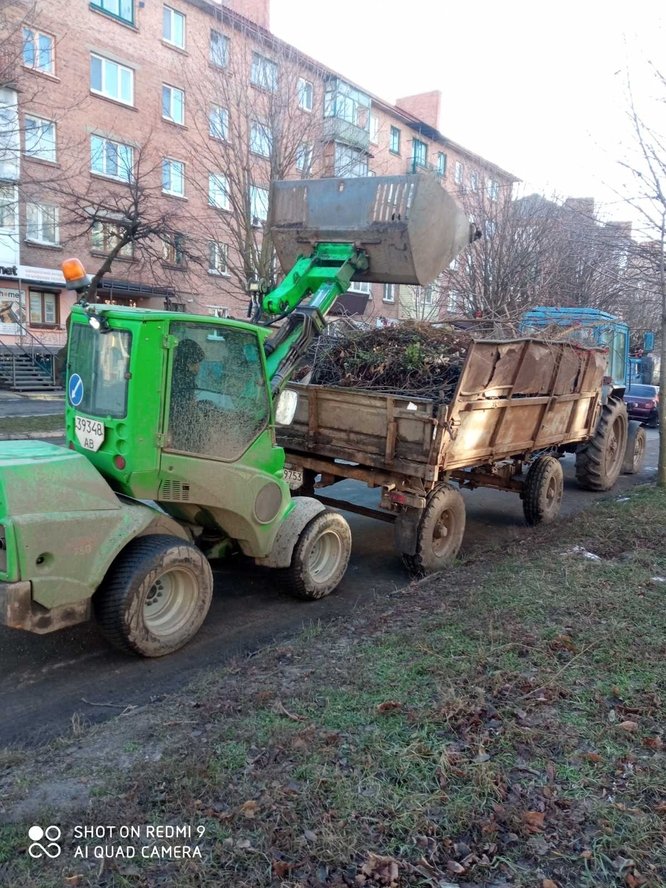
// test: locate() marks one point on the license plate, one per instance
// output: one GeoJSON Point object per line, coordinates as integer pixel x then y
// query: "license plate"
{"type": "Point", "coordinates": [293, 476]}
{"type": "Point", "coordinates": [89, 432]}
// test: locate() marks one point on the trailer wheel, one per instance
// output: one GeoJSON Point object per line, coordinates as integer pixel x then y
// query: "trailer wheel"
{"type": "Point", "coordinates": [599, 462]}
{"type": "Point", "coordinates": [634, 455]}
{"type": "Point", "coordinates": [320, 557]}
{"type": "Point", "coordinates": [155, 596]}
{"type": "Point", "coordinates": [439, 532]}
{"type": "Point", "coordinates": [542, 491]}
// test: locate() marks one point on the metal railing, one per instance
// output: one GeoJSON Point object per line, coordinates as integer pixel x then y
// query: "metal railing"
{"type": "Point", "coordinates": [38, 353]}
{"type": "Point", "coordinates": [417, 166]}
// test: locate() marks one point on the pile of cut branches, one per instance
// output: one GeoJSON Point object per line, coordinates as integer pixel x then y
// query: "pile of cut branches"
{"type": "Point", "coordinates": [413, 358]}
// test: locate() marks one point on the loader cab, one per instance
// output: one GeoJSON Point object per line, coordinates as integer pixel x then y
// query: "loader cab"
{"type": "Point", "coordinates": [151, 396]}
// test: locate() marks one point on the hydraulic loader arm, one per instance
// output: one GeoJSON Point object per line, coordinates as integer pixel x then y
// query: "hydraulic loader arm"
{"type": "Point", "coordinates": [319, 278]}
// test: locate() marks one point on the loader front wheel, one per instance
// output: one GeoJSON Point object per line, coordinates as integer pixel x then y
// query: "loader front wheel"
{"type": "Point", "coordinates": [155, 596]}
{"type": "Point", "coordinates": [542, 491]}
{"type": "Point", "coordinates": [634, 455]}
{"type": "Point", "coordinates": [599, 462]}
{"type": "Point", "coordinates": [320, 557]}
{"type": "Point", "coordinates": [439, 533]}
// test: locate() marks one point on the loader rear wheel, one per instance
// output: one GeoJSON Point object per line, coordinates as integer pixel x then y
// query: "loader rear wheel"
{"type": "Point", "coordinates": [320, 557]}
{"type": "Point", "coordinates": [439, 533]}
{"type": "Point", "coordinates": [634, 455]}
{"type": "Point", "coordinates": [155, 596]}
{"type": "Point", "coordinates": [599, 462]}
{"type": "Point", "coordinates": [542, 491]}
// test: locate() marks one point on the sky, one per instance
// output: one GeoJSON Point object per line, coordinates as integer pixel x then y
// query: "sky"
{"type": "Point", "coordinates": [538, 88]}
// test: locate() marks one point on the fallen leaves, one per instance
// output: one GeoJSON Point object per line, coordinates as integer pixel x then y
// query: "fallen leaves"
{"type": "Point", "coordinates": [388, 706]}
{"type": "Point", "coordinates": [628, 726]}
{"type": "Point", "coordinates": [533, 821]}
{"type": "Point", "coordinates": [249, 809]}
{"type": "Point", "coordinates": [382, 870]}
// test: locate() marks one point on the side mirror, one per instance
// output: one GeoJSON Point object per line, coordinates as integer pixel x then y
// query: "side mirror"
{"type": "Point", "coordinates": [285, 408]}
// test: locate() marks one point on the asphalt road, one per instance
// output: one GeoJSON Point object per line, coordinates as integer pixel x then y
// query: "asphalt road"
{"type": "Point", "coordinates": [47, 680]}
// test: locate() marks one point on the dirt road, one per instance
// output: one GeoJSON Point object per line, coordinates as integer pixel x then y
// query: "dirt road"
{"type": "Point", "coordinates": [49, 683]}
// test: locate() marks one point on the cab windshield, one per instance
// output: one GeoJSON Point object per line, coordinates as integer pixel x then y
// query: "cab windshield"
{"type": "Point", "coordinates": [98, 371]}
{"type": "Point", "coordinates": [218, 397]}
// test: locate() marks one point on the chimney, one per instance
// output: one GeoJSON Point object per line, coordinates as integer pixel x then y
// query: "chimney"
{"type": "Point", "coordinates": [425, 106]}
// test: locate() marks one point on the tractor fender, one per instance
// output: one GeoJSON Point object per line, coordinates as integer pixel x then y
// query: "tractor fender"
{"type": "Point", "coordinates": [305, 509]}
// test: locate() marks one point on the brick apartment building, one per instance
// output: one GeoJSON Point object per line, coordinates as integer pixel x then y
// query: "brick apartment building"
{"type": "Point", "coordinates": [176, 115]}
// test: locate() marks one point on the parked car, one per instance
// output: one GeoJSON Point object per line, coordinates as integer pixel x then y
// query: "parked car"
{"type": "Point", "coordinates": [643, 403]}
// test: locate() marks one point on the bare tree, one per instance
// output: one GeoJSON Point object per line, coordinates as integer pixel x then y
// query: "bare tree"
{"type": "Point", "coordinates": [251, 135]}
{"type": "Point", "coordinates": [647, 194]}
{"type": "Point", "coordinates": [127, 218]}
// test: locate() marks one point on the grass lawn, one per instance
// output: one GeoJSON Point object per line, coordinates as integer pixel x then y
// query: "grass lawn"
{"type": "Point", "coordinates": [25, 425]}
{"type": "Point", "coordinates": [497, 725]}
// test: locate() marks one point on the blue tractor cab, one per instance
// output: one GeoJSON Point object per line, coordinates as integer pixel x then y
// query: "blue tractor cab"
{"type": "Point", "coordinates": [590, 327]}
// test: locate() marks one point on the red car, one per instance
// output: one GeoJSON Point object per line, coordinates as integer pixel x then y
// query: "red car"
{"type": "Point", "coordinates": [643, 403]}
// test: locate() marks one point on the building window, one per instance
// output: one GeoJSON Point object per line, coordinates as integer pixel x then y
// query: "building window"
{"type": "Point", "coordinates": [173, 177]}
{"type": "Point", "coordinates": [43, 309]}
{"type": "Point", "coordinates": [394, 140]}
{"type": "Point", "coordinates": [453, 302]}
{"type": "Point", "coordinates": [419, 153]}
{"type": "Point", "coordinates": [346, 103]}
{"type": "Point", "coordinates": [8, 207]}
{"type": "Point", "coordinates": [173, 104]}
{"type": "Point", "coordinates": [219, 49]}
{"type": "Point", "coordinates": [173, 249]}
{"type": "Point", "coordinates": [305, 92]}
{"type": "Point", "coordinates": [360, 287]}
{"type": "Point", "coordinates": [493, 189]}
{"type": "Point", "coordinates": [104, 237]}
{"type": "Point", "coordinates": [173, 27]}
{"type": "Point", "coordinates": [304, 158]}
{"type": "Point", "coordinates": [474, 181]}
{"type": "Point", "coordinates": [112, 159]}
{"type": "Point", "coordinates": [42, 223]}
{"type": "Point", "coordinates": [458, 173]}
{"type": "Point", "coordinates": [261, 139]}
{"type": "Point", "coordinates": [441, 163]}
{"type": "Point", "coordinates": [218, 191]}
{"type": "Point", "coordinates": [489, 229]}
{"type": "Point", "coordinates": [10, 146]}
{"type": "Point", "coordinates": [389, 292]}
{"type": "Point", "coordinates": [374, 129]}
{"type": "Point", "coordinates": [217, 258]}
{"type": "Point", "coordinates": [121, 9]}
{"type": "Point", "coordinates": [218, 123]}
{"type": "Point", "coordinates": [428, 294]}
{"type": "Point", "coordinates": [264, 72]}
{"type": "Point", "coordinates": [38, 51]}
{"type": "Point", "coordinates": [350, 162]}
{"type": "Point", "coordinates": [111, 80]}
{"type": "Point", "coordinates": [258, 204]}
{"type": "Point", "coordinates": [40, 138]}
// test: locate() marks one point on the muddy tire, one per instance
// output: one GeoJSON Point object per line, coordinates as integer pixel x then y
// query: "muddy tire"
{"type": "Point", "coordinates": [599, 462]}
{"type": "Point", "coordinates": [634, 455]}
{"type": "Point", "coordinates": [439, 533]}
{"type": "Point", "coordinates": [155, 596]}
{"type": "Point", "coordinates": [542, 491]}
{"type": "Point", "coordinates": [320, 557]}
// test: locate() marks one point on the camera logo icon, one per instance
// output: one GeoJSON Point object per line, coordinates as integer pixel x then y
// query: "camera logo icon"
{"type": "Point", "coordinates": [51, 835]}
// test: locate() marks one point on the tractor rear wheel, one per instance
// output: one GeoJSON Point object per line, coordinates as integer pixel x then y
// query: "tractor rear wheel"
{"type": "Point", "coordinates": [320, 557]}
{"type": "Point", "coordinates": [542, 491]}
{"type": "Point", "coordinates": [634, 455]}
{"type": "Point", "coordinates": [599, 462]}
{"type": "Point", "coordinates": [155, 596]}
{"type": "Point", "coordinates": [439, 533]}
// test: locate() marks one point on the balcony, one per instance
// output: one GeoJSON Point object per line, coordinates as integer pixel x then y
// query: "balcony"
{"type": "Point", "coordinates": [338, 130]}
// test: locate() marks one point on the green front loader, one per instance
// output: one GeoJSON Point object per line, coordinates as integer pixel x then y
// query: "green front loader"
{"type": "Point", "coordinates": [170, 423]}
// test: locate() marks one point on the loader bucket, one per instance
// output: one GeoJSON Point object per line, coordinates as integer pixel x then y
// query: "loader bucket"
{"type": "Point", "coordinates": [409, 226]}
